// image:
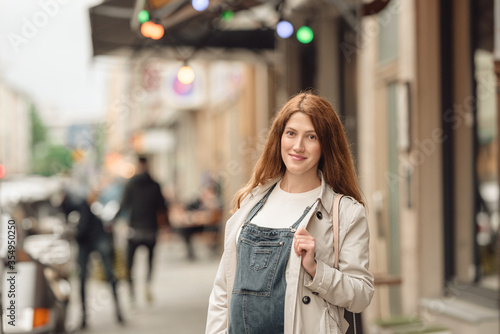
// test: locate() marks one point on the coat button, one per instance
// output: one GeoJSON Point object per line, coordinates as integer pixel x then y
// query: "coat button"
{"type": "Point", "coordinates": [306, 300]}
{"type": "Point", "coordinates": [319, 215]}
{"type": "Point", "coordinates": [315, 293]}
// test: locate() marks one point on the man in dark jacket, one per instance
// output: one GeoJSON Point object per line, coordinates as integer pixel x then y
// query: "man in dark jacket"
{"type": "Point", "coordinates": [143, 199]}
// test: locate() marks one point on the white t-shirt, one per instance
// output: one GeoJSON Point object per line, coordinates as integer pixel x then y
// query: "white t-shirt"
{"type": "Point", "coordinates": [283, 209]}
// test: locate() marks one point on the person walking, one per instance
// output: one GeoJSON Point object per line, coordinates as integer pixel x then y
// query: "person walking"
{"type": "Point", "coordinates": [147, 208]}
{"type": "Point", "coordinates": [91, 236]}
{"type": "Point", "coordinates": [277, 272]}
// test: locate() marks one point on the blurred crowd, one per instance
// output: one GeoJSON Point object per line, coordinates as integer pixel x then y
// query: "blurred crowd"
{"type": "Point", "coordinates": [113, 219]}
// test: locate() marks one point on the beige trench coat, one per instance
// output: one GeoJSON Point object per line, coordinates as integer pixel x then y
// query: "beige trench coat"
{"type": "Point", "coordinates": [351, 287]}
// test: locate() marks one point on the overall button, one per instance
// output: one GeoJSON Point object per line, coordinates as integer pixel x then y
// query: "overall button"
{"type": "Point", "coordinates": [306, 300]}
{"type": "Point", "coordinates": [319, 215]}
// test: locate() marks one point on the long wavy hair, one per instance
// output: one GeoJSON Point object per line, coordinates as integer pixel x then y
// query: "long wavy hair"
{"type": "Point", "coordinates": [336, 161]}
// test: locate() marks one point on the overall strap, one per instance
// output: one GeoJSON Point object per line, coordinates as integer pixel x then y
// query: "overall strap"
{"type": "Point", "coordinates": [335, 222]}
{"type": "Point", "coordinates": [258, 206]}
{"type": "Point", "coordinates": [306, 211]}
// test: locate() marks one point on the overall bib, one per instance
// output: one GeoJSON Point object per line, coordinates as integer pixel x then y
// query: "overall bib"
{"type": "Point", "coordinates": [258, 297]}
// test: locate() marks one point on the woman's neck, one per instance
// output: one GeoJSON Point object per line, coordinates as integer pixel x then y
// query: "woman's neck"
{"type": "Point", "coordinates": [299, 183]}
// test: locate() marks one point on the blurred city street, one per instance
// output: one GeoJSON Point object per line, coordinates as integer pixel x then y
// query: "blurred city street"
{"type": "Point", "coordinates": [119, 118]}
{"type": "Point", "coordinates": [180, 290]}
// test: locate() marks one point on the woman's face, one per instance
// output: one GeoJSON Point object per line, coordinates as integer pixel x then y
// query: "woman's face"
{"type": "Point", "coordinates": [300, 147]}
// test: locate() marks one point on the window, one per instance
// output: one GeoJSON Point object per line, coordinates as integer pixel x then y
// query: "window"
{"type": "Point", "coordinates": [486, 178]}
{"type": "Point", "coordinates": [471, 257]}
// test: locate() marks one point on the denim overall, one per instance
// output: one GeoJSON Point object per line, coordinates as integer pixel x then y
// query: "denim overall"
{"type": "Point", "coordinates": [258, 298]}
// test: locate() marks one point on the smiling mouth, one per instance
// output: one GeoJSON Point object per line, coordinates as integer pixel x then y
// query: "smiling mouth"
{"type": "Point", "coordinates": [297, 157]}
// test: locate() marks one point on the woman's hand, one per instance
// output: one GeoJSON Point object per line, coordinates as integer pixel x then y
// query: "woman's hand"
{"type": "Point", "coordinates": [304, 245]}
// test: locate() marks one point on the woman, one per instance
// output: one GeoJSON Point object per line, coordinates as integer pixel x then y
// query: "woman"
{"type": "Point", "coordinates": [276, 273]}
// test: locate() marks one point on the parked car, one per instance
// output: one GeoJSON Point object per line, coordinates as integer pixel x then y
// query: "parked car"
{"type": "Point", "coordinates": [35, 260]}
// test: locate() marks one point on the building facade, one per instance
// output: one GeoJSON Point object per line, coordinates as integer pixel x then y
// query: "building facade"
{"type": "Point", "coordinates": [15, 133]}
{"type": "Point", "coordinates": [428, 161]}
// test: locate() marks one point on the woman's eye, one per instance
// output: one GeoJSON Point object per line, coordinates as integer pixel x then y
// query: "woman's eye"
{"type": "Point", "coordinates": [290, 133]}
{"type": "Point", "coordinates": [312, 137]}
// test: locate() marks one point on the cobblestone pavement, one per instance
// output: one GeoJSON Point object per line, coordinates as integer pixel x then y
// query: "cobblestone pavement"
{"type": "Point", "coordinates": [180, 294]}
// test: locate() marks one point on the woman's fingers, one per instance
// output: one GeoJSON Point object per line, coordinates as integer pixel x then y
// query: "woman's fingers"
{"type": "Point", "coordinates": [304, 242]}
{"type": "Point", "coordinates": [304, 248]}
{"type": "Point", "coordinates": [302, 231]}
{"type": "Point", "coordinates": [304, 245]}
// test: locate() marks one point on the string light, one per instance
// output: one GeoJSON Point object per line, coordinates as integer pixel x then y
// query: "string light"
{"type": "Point", "coordinates": [200, 5]}
{"type": "Point", "coordinates": [305, 35]}
{"type": "Point", "coordinates": [152, 30]}
{"type": "Point", "coordinates": [143, 16]}
{"type": "Point", "coordinates": [284, 29]}
{"type": "Point", "coordinates": [186, 75]}
{"type": "Point", "coordinates": [228, 15]}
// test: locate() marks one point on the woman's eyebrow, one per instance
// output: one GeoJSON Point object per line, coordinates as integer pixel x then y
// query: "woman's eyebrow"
{"type": "Point", "coordinates": [307, 131]}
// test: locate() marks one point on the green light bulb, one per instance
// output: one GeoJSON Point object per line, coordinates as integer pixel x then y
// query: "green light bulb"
{"type": "Point", "coordinates": [143, 16]}
{"type": "Point", "coordinates": [228, 15]}
{"type": "Point", "coordinates": [305, 35]}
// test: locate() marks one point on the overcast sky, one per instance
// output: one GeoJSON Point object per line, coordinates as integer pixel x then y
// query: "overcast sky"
{"type": "Point", "coordinates": [46, 53]}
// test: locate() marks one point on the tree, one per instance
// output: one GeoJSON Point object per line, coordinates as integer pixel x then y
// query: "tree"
{"type": "Point", "coordinates": [38, 129]}
{"type": "Point", "coordinates": [46, 158]}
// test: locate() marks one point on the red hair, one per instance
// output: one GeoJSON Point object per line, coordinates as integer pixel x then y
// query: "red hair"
{"type": "Point", "coordinates": [336, 161]}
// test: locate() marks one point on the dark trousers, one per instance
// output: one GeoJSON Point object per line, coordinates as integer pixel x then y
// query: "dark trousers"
{"type": "Point", "coordinates": [187, 233]}
{"type": "Point", "coordinates": [104, 246]}
{"type": "Point", "coordinates": [133, 244]}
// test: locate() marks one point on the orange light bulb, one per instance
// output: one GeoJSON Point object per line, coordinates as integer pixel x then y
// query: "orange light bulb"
{"type": "Point", "coordinates": [152, 30]}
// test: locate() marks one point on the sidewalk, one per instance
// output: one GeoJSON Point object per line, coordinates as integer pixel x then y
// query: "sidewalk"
{"type": "Point", "coordinates": [180, 290]}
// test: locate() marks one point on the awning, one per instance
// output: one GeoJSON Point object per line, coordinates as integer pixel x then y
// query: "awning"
{"type": "Point", "coordinates": [112, 28]}
{"type": "Point", "coordinates": [114, 25]}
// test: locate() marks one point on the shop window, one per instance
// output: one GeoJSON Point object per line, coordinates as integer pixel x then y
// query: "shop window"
{"type": "Point", "coordinates": [470, 161]}
{"type": "Point", "coordinates": [486, 178]}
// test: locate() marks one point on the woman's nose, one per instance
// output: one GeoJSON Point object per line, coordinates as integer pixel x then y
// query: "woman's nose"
{"type": "Point", "coordinates": [298, 145]}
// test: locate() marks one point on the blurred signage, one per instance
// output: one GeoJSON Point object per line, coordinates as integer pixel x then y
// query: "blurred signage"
{"type": "Point", "coordinates": [151, 79]}
{"type": "Point", "coordinates": [226, 79]}
{"type": "Point", "coordinates": [81, 136]}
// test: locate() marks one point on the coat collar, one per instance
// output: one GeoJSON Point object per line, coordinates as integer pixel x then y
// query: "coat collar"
{"type": "Point", "coordinates": [326, 194]}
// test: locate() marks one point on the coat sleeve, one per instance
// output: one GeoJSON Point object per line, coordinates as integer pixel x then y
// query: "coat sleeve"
{"type": "Point", "coordinates": [217, 317]}
{"type": "Point", "coordinates": [352, 287]}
